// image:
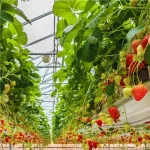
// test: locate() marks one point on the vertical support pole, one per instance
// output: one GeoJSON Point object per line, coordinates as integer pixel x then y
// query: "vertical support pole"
{"type": "Point", "coordinates": [10, 147]}
{"type": "Point", "coordinates": [145, 144]}
{"type": "Point", "coordinates": [23, 146]}
{"type": "Point", "coordinates": [148, 71]}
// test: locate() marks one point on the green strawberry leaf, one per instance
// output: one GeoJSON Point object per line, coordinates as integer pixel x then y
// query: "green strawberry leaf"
{"type": "Point", "coordinates": [92, 40]}
{"type": "Point", "coordinates": [22, 38]}
{"type": "Point", "coordinates": [61, 25]}
{"type": "Point", "coordinates": [110, 89]}
{"type": "Point", "coordinates": [6, 33]}
{"type": "Point", "coordinates": [109, 100]}
{"type": "Point", "coordinates": [97, 99]}
{"type": "Point", "coordinates": [133, 32]}
{"type": "Point", "coordinates": [88, 52]}
{"type": "Point", "coordinates": [64, 9]}
{"type": "Point", "coordinates": [100, 129]}
{"type": "Point", "coordinates": [2, 86]}
{"type": "Point", "coordinates": [6, 16]}
{"type": "Point", "coordinates": [147, 55]}
{"type": "Point", "coordinates": [2, 21]}
{"type": "Point", "coordinates": [15, 2]}
{"type": "Point", "coordinates": [12, 9]}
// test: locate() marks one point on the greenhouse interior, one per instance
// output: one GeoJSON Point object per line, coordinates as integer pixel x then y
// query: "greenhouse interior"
{"type": "Point", "coordinates": [75, 75]}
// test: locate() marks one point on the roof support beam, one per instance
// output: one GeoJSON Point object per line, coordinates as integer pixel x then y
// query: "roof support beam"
{"type": "Point", "coordinates": [48, 66]}
{"type": "Point", "coordinates": [39, 40]}
{"type": "Point", "coordinates": [42, 54]}
{"type": "Point", "coordinates": [38, 17]}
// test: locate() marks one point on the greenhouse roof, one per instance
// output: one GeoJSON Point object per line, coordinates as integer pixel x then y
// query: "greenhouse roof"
{"type": "Point", "coordinates": [42, 43]}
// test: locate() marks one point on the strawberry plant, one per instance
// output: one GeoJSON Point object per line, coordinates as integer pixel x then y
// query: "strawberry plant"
{"type": "Point", "coordinates": [105, 45]}
{"type": "Point", "coordinates": [19, 82]}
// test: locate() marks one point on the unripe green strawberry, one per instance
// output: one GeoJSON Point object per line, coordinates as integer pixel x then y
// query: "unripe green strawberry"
{"type": "Point", "coordinates": [127, 92]}
{"type": "Point", "coordinates": [103, 76]}
{"type": "Point", "coordinates": [111, 76]}
{"type": "Point", "coordinates": [123, 65]}
{"type": "Point", "coordinates": [13, 83]}
{"type": "Point", "coordinates": [133, 2]}
{"type": "Point", "coordinates": [88, 105]}
{"type": "Point", "coordinates": [110, 121]}
{"type": "Point", "coordinates": [140, 50]}
{"type": "Point", "coordinates": [101, 114]}
{"type": "Point", "coordinates": [122, 59]}
{"type": "Point", "coordinates": [93, 121]}
{"type": "Point", "coordinates": [126, 81]}
{"type": "Point", "coordinates": [103, 96]}
{"type": "Point", "coordinates": [122, 54]}
{"type": "Point", "coordinates": [103, 118]}
{"type": "Point", "coordinates": [127, 127]}
{"type": "Point", "coordinates": [124, 72]}
{"type": "Point", "coordinates": [107, 115]}
{"type": "Point", "coordinates": [103, 63]}
{"type": "Point", "coordinates": [117, 79]}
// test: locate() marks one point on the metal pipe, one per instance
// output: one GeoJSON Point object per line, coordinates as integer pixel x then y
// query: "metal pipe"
{"type": "Point", "coordinates": [45, 101]}
{"type": "Point", "coordinates": [48, 66]}
{"type": "Point", "coordinates": [38, 17]}
{"type": "Point", "coordinates": [10, 147]}
{"type": "Point", "coordinates": [42, 54]}
{"type": "Point", "coordinates": [39, 40]}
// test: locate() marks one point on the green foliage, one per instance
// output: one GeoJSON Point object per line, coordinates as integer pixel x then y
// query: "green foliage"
{"type": "Point", "coordinates": [133, 32]}
{"type": "Point", "coordinates": [23, 106]}
{"type": "Point", "coordinates": [110, 89]}
{"type": "Point", "coordinates": [91, 34]}
{"type": "Point", "coordinates": [147, 55]}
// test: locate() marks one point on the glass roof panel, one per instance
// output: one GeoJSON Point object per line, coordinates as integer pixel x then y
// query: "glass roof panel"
{"type": "Point", "coordinates": [40, 41]}
{"type": "Point", "coordinates": [43, 46]}
{"type": "Point", "coordinates": [41, 28]}
{"type": "Point", "coordinates": [34, 8]}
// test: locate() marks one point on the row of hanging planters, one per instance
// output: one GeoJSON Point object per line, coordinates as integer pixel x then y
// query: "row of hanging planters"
{"type": "Point", "coordinates": [22, 119]}
{"type": "Point", "coordinates": [106, 54]}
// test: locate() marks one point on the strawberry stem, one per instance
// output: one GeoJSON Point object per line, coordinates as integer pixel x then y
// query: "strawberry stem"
{"type": "Point", "coordinates": [125, 113]}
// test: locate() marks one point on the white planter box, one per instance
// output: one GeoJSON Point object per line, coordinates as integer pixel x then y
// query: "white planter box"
{"type": "Point", "coordinates": [137, 111]}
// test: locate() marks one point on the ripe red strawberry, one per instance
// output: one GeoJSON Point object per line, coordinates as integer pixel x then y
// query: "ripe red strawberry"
{"type": "Point", "coordinates": [145, 41]}
{"type": "Point", "coordinates": [114, 113]}
{"type": "Point", "coordinates": [142, 64]}
{"type": "Point", "coordinates": [80, 137]}
{"type": "Point", "coordinates": [131, 65]}
{"type": "Point", "coordinates": [95, 144]}
{"type": "Point", "coordinates": [7, 139]}
{"type": "Point", "coordinates": [99, 122]}
{"type": "Point", "coordinates": [140, 139]}
{"type": "Point", "coordinates": [139, 91]}
{"type": "Point", "coordinates": [88, 119]}
{"type": "Point", "coordinates": [131, 133]}
{"type": "Point", "coordinates": [135, 44]}
{"type": "Point", "coordinates": [113, 109]}
{"type": "Point", "coordinates": [90, 142]}
{"type": "Point", "coordinates": [122, 82]}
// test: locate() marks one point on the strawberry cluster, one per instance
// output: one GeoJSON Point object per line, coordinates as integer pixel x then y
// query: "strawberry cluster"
{"type": "Point", "coordinates": [138, 47]}
{"type": "Point", "coordinates": [114, 113]}
{"type": "Point", "coordinates": [80, 136]}
{"type": "Point", "coordinates": [92, 144]}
